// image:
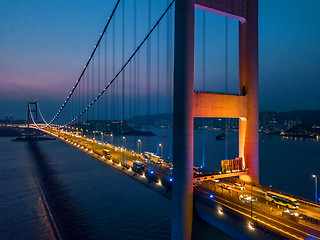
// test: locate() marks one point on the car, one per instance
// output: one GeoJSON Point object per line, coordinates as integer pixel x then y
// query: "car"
{"type": "Point", "coordinates": [195, 184]}
{"type": "Point", "coordinates": [239, 186]}
{"type": "Point", "coordinates": [246, 198]}
{"type": "Point", "coordinates": [291, 215]}
{"type": "Point", "coordinates": [226, 187]}
{"type": "Point", "coordinates": [197, 170]}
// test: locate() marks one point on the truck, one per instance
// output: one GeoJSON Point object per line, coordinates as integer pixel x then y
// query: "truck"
{"type": "Point", "coordinates": [138, 167]}
{"type": "Point", "coordinates": [153, 158]}
{"type": "Point", "coordinates": [107, 154]}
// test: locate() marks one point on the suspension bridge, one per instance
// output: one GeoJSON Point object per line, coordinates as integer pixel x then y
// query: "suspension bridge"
{"type": "Point", "coordinates": [142, 69]}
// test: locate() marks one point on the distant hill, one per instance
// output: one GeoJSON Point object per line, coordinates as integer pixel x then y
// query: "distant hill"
{"type": "Point", "coordinates": [152, 120]}
{"type": "Point", "coordinates": [310, 117]}
{"type": "Point", "coordinates": [10, 131]}
{"type": "Point", "coordinates": [22, 121]}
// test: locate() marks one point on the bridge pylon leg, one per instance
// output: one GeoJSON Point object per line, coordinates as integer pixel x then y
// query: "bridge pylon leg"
{"type": "Point", "coordinates": [182, 193]}
{"type": "Point", "coordinates": [248, 80]}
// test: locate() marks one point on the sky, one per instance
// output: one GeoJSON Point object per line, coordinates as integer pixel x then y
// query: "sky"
{"type": "Point", "coordinates": [45, 44]}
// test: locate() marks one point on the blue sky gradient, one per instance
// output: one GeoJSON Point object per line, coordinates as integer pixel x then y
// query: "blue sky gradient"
{"type": "Point", "coordinates": [44, 45]}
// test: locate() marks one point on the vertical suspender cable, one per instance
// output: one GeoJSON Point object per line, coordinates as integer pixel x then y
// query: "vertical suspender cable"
{"type": "Point", "coordinates": [73, 113]}
{"type": "Point", "coordinates": [84, 94]}
{"type": "Point", "coordinates": [149, 62]}
{"type": "Point", "coordinates": [170, 61]}
{"type": "Point", "coordinates": [158, 83]}
{"type": "Point", "coordinates": [105, 105]}
{"type": "Point", "coordinates": [117, 93]}
{"type": "Point", "coordinates": [113, 67]}
{"type": "Point", "coordinates": [138, 82]}
{"type": "Point", "coordinates": [226, 56]}
{"type": "Point", "coordinates": [130, 87]}
{"type": "Point", "coordinates": [226, 88]}
{"type": "Point", "coordinates": [81, 94]}
{"type": "Point", "coordinates": [99, 103]}
{"type": "Point", "coordinates": [135, 65]}
{"type": "Point", "coordinates": [167, 67]}
{"type": "Point", "coordinates": [158, 69]}
{"type": "Point", "coordinates": [170, 79]}
{"type": "Point", "coordinates": [204, 52]}
{"type": "Point", "coordinates": [92, 90]}
{"type": "Point", "coordinates": [88, 73]}
{"type": "Point", "coordinates": [138, 86]}
{"type": "Point", "coordinates": [203, 78]}
{"type": "Point", "coordinates": [67, 113]}
{"type": "Point", "coordinates": [167, 71]}
{"type": "Point", "coordinates": [117, 104]}
{"type": "Point", "coordinates": [78, 100]}
{"type": "Point", "coordinates": [75, 102]}
{"type": "Point", "coordinates": [123, 54]}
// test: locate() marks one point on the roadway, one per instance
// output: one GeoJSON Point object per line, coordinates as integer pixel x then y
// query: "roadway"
{"type": "Point", "coordinates": [262, 212]}
{"type": "Point", "coordinates": [223, 192]}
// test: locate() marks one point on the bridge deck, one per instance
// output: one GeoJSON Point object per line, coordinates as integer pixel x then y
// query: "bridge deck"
{"type": "Point", "coordinates": [221, 193]}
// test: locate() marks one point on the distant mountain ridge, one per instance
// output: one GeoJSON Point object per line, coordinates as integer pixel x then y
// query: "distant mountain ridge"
{"type": "Point", "coordinates": [304, 116]}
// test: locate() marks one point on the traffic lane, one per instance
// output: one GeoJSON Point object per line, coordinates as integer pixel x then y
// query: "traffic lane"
{"type": "Point", "coordinates": [237, 194]}
{"type": "Point", "coordinates": [289, 227]}
{"type": "Point", "coordinates": [261, 199]}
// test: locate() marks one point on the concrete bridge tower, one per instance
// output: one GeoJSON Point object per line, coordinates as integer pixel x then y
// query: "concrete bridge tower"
{"type": "Point", "coordinates": [188, 104]}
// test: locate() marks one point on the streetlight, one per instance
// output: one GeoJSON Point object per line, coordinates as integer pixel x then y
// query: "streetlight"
{"type": "Point", "coordinates": [124, 147]}
{"type": "Point", "coordinates": [160, 147]}
{"type": "Point", "coordinates": [87, 132]}
{"type": "Point", "coordinates": [315, 187]}
{"type": "Point", "coordinates": [139, 145]}
{"type": "Point", "coordinates": [102, 136]}
{"type": "Point", "coordinates": [111, 135]}
{"type": "Point", "coordinates": [77, 131]}
{"type": "Point", "coordinates": [124, 139]}
{"type": "Point", "coordinates": [81, 132]}
{"type": "Point", "coordinates": [94, 135]}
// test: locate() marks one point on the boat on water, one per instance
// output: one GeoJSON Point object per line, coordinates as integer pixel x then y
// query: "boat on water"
{"type": "Point", "coordinates": [221, 136]}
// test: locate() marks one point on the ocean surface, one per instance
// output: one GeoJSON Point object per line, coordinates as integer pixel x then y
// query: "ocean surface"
{"type": "Point", "coordinates": [51, 190]}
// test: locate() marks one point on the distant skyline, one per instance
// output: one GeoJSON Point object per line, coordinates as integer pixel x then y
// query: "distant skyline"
{"type": "Point", "coordinates": [44, 45]}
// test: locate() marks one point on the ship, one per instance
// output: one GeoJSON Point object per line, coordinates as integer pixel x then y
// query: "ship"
{"type": "Point", "coordinates": [221, 136]}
